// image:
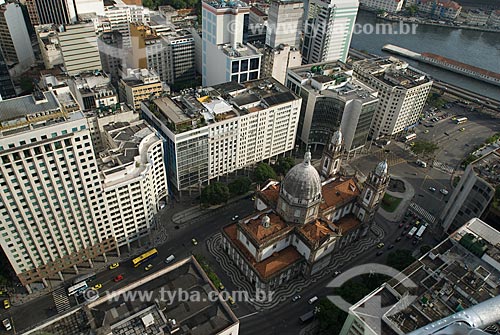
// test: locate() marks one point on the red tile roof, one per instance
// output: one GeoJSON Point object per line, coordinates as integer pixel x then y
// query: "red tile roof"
{"type": "Point", "coordinates": [271, 194]}
{"type": "Point", "coordinates": [271, 265]}
{"type": "Point", "coordinates": [347, 223]}
{"type": "Point", "coordinates": [316, 231]}
{"type": "Point", "coordinates": [462, 65]}
{"type": "Point", "coordinates": [339, 192]}
{"type": "Point", "coordinates": [260, 233]}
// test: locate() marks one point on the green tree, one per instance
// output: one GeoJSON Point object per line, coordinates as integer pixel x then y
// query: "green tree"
{"type": "Point", "coordinates": [214, 194]}
{"type": "Point", "coordinates": [435, 100]}
{"type": "Point", "coordinates": [283, 165]}
{"type": "Point", "coordinates": [424, 148]}
{"type": "Point", "coordinates": [264, 172]}
{"type": "Point", "coordinates": [400, 259]}
{"type": "Point", "coordinates": [240, 186]}
{"type": "Point", "coordinates": [469, 159]}
{"type": "Point", "coordinates": [331, 318]}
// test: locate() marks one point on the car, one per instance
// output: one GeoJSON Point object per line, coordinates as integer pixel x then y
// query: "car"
{"type": "Point", "coordinates": [148, 267]}
{"type": "Point", "coordinates": [426, 131]}
{"type": "Point", "coordinates": [114, 266]}
{"type": "Point", "coordinates": [97, 286]}
{"type": "Point", "coordinates": [453, 118]}
{"type": "Point", "coordinates": [462, 129]}
{"type": "Point", "coordinates": [169, 259]}
{"type": "Point", "coordinates": [312, 300]}
{"type": "Point", "coordinates": [6, 304]}
{"type": "Point", "coordinates": [403, 233]}
{"type": "Point", "coordinates": [118, 278]}
{"type": "Point", "coordinates": [432, 189]}
{"type": "Point", "coordinates": [408, 226]}
{"type": "Point", "coordinates": [193, 240]}
{"type": "Point", "coordinates": [221, 286]}
{"type": "Point", "coordinates": [336, 273]}
{"type": "Point", "coordinates": [6, 324]}
{"type": "Point", "coordinates": [391, 246]}
{"type": "Point", "coordinates": [444, 191]}
{"type": "Point", "coordinates": [297, 297]}
{"type": "Point", "coordinates": [231, 300]}
{"type": "Point", "coordinates": [401, 225]}
{"type": "Point", "coordinates": [380, 253]}
{"type": "Point", "coordinates": [380, 245]}
{"type": "Point", "coordinates": [398, 239]}
{"type": "Point", "coordinates": [234, 218]}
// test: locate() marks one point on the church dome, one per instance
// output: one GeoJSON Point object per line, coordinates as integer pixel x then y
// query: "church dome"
{"type": "Point", "coordinates": [302, 182]}
{"type": "Point", "coordinates": [381, 169]}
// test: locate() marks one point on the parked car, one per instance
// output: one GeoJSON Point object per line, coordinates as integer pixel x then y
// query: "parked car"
{"type": "Point", "coordinates": [398, 239]}
{"type": "Point", "coordinates": [297, 297]}
{"type": "Point", "coordinates": [97, 286]}
{"type": "Point", "coordinates": [221, 286]}
{"type": "Point", "coordinates": [148, 267]}
{"type": "Point", "coordinates": [313, 300]}
{"type": "Point", "coordinates": [6, 304]}
{"type": "Point", "coordinates": [6, 324]}
{"type": "Point", "coordinates": [234, 218]}
{"type": "Point", "coordinates": [380, 245]}
{"type": "Point", "coordinates": [444, 191]}
{"type": "Point", "coordinates": [336, 273]}
{"type": "Point", "coordinates": [193, 240]}
{"type": "Point", "coordinates": [118, 278]}
{"type": "Point", "coordinates": [169, 259]}
{"type": "Point", "coordinates": [432, 189]}
{"type": "Point", "coordinates": [391, 246]}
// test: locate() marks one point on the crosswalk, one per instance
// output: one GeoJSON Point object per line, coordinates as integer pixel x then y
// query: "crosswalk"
{"type": "Point", "coordinates": [443, 167]}
{"type": "Point", "coordinates": [422, 212]}
{"type": "Point", "coordinates": [61, 300]}
{"type": "Point", "coordinates": [392, 159]}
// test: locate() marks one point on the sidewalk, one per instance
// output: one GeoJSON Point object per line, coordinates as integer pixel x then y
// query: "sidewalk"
{"type": "Point", "coordinates": [399, 212]}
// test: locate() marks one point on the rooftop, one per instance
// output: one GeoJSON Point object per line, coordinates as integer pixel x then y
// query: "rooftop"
{"type": "Point", "coordinates": [305, 72]}
{"type": "Point", "coordinates": [338, 192]}
{"type": "Point", "coordinates": [488, 167]}
{"type": "Point", "coordinates": [162, 313]}
{"type": "Point", "coordinates": [222, 4]}
{"type": "Point", "coordinates": [316, 231]}
{"type": "Point", "coordinates": [448, 278]}
{"type": "Point", "coordinates": [255, 228]}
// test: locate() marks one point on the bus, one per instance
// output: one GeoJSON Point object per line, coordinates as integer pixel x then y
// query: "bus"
{"type": "Point", "coordinates": [420, 231]}
{"type": "Point", "coordinates": [461, 120]}
{"type": "Point", "coordinates": [411, 232]}
{"type": "Point", "coordinates": [144, 257]}
{"type": "Point", "coordinates": [78, 288]}
{"type": "Point", "coordinates": [88, 277]}
{"type": "Point", "coordinates": [307, 317]}
{"type": "Point", "coordinates": [410, 137]}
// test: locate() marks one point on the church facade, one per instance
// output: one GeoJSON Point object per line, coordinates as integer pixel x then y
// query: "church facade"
{"type": "Point", "coordinates": [300, 223]}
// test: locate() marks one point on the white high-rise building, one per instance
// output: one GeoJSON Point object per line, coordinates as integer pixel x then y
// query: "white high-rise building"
{"type": "Point", "coordinates": [284, 25]}
{"type": "Point", "coordinates": [328, 28]}
{"type": "Point", "coordinates": [390, 6]}
{"type": "Point", "coordinates": [225, 56]}
{"type": "Point", "coordinates": [50, 189]}
{"type": "Point", "coordinates": [61, 204]}
{"type": "Point", "coordinates": [402, 93]}
{"type": "Point", "coordinates": [221, 129]}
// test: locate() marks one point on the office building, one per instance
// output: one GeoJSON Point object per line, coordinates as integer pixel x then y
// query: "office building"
{"type": "Point", "coordinates": [494, 19]}
{"type": "Point", "coordinates": [458, 273]}
{"type": "Point", "coordinates": [285, 23]}
{"type": "Point", "coordinates": [217, 130]}
{"type": "Point", "coordinates": [211, 315]}
{"type": "Point", "coordinates": [51, 189]}
{"type": "Point", "coordinates": [119, 16]}
{"type": "Point", "coordinates": [275, 61]}
{"type": "Point", "coordinates": [402, 90]}
{"type": "Point", "coordinates": [328, 28]}
{"type": "Point", "coordinates": [475, 192]}
{"type": "Point", "coordinates": [170, 55]}
{"type": "Point", "coordinates": [93, 91]}
{"type": "Point", "coordinates": [133, 180]}
{"type": "Point", "coordinates": [49, 45]}
{"type": "Point", "coordinates": [443, 9]}
{"type": "Point", "coordinates": [389, 6]}
{"type": "Point", "coordinates": [61, 11]}
{"type": "Point", "coordinates": [7, 89]}
{"type": "Point", "coordinates": [332, 99]}
{"type": "Point", "coordinates": [225, 56]}
{"type": "Point", "coordinates": [78, 43]}
{"type": "Point", "coordinates": [139, 85]}
{"type": "Point", "coordinates": [475, 17]}
{"type": "Point", "coordinates": [301, 223]}
{"type": "Point", "coordinates": [15, 42]}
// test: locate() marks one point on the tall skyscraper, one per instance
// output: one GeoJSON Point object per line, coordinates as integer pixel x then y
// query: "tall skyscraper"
{"type": "Point", "coordinates": [78, 43]}
{"type": "Point", "coordinates": [14, 39]}
{"type": "Point", "coordinates": [328, 28]}
{"type": "Point", "coordinates": [61, 11]}
{"type": "Point", "coordinates": [284, 25]}
{"type": "Point", "coordinates": [6, 86]}
{"type": "Point", "coordinates": [225, 57]}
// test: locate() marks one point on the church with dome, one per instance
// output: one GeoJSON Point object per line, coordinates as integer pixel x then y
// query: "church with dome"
{"type": "Point", "coordinates": [302, 222]}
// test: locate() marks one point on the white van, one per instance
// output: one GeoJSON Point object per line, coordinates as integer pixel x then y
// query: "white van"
{"type": "Point", "coordinates": [169, 259]}
{"type": "Point", "coordinates": [313, 300]}
{"type": "Point", "coordinates": [6, 324]}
